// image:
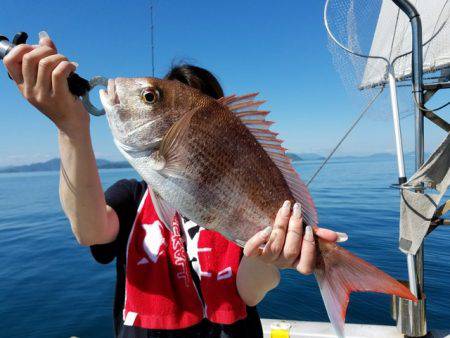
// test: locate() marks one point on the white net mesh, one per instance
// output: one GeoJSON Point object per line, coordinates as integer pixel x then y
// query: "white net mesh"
{"type": "Point", "coordinates": [345, 23]}
{"type": "Point", "coordinates": [436, 51]}
{"type": "Point", "coordinates": [377, 28]}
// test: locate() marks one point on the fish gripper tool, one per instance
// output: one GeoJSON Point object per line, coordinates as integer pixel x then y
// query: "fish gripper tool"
{"type": "Point", "coordinates": [78, 86]}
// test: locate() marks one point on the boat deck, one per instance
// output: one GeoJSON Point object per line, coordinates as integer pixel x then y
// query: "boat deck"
{"type": "Point", "coordinates": [304, 329]}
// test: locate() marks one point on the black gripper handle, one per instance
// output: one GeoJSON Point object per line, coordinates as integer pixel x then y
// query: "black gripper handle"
{"type": "Point", "coordinates": [77, 85]}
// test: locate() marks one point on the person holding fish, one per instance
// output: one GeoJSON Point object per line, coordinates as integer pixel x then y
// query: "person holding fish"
{"type": "Point", "coordinates": [176, 278]}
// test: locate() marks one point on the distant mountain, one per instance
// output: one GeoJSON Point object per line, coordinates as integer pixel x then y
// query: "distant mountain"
{"type": "Point", "coordinates": [54, 165]}
{"type": "Point", "coordinates": [376, 156]}
{"type": "Point", "coordinates": [305, 156]}
{"type": "Point", "coordinates": [413, 154]}
{"type": "Point", "coordinates": [382, 156]}
{"type": "Point", "coordinates": [311, 156]}
{"type": "Point", "coordinates": [348, 157]}
{"type": "Point", "coordinates": [294, 157]}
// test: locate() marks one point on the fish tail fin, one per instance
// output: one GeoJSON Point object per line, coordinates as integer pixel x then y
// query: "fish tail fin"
{"type": "Point", "coordinates": [339, 272]}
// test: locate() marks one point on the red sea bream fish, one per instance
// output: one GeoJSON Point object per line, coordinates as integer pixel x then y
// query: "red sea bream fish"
{"type": "Point", "coordinates": [218, 163]}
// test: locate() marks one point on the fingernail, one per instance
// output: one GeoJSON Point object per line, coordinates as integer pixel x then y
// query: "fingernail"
{"type": "Point", "coordinates": [309, 234]}
{"type": "Point", "coordinates": [342, 237]}
{"type": "Point", "coordinates": [297, 210]}
{"type": "Point", "coordinates": [75, 64]}
{"type": "Point", "coordinates": [266, 232]}
{"type": "Point", "coordinates": [286, 208]}
{"type": "Point", "coordinates": [43, 34]}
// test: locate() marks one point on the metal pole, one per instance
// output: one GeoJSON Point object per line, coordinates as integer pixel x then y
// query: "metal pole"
{"type": "Point", "coordinates": [397, 129]}
{"type": "Point", "coordinates": [417, 82]}
{"type": "Point", "coordinates": [401, 166]}
{"type": "Point", "coordinates": [415, 262]}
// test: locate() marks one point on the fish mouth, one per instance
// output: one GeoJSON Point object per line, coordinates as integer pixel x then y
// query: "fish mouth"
{"type": "Point", "coordinates": [109, 97]}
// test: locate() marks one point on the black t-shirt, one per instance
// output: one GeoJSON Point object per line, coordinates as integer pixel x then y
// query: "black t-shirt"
{"type": "Point", "coordinates": [124, 197]}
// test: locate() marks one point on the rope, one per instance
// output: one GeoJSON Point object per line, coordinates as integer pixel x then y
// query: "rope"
{"type": "Point", "coordinates": [393, 36]}
{"type": "Point", "coordinates": [363, 112]}
{"type": "Point", "coordinates": [429, 110]}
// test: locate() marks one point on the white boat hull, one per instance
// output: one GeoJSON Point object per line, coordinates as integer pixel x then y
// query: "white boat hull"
{"type": "Point", "coordinates": [305, 329]}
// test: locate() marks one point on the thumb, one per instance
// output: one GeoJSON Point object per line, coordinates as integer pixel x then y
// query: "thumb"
{"type": "Point", "coordinates": [330, 235]}
{"type": "Point", "coordinates": [252, 246]}
{"type": "Point", "coordinates": [44, 40]}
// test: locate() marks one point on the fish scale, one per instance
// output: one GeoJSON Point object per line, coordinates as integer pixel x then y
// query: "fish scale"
{"type": "Point", "coordinates": [237, 172]}
{"type": "Point", "coordinates": [228, 192]}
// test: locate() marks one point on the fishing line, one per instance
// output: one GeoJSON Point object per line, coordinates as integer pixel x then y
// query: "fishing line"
{"type": "Point", "coordinates": [407, 115]}
{"type": "Point", "coordinates": [152, 40]}
{"type": "Point", "coordinates": [361, 115]}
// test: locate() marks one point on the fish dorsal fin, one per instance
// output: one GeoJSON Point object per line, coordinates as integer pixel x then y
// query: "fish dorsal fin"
{"type": "Point", "coordinates": [246, 109]}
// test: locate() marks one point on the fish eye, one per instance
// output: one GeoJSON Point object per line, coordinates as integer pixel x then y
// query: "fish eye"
{"type": "Point", "coordinates": [150, 95]}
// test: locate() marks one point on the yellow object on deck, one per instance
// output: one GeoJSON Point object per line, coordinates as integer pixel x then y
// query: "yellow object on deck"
{"type": "Point", "coordinates": [280, 330]}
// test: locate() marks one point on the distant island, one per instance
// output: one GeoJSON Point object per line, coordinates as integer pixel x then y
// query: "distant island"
{"type": "Point", "coordinates": [54, 164]}
{"type": "Point", "coordinates": [294, 157]}
{"type": "Point", "coordinates": [307, 157]}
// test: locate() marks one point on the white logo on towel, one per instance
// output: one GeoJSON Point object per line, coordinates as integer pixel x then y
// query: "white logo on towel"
{"type": "Point", "coordinates": [153, 241]}
{"type": "Point", "coordinates": [225, 273]}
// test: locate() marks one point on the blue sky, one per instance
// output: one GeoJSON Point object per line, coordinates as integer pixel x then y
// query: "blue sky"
{"type": "Point", "coordinates": [277, 49]}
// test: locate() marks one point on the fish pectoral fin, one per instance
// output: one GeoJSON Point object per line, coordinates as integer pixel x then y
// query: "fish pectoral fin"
{"type": "Point", "coordinates": [169, 159]}
{"type": "Point", "coordinates": [159, 164]}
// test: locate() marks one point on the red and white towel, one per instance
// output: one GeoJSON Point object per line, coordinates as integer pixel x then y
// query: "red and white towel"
{"type": "Point", "coordinates": [160, 292]}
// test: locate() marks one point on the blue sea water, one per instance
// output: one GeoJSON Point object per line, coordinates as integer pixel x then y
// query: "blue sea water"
{"type": "Point", "coordinates": [51, 287]}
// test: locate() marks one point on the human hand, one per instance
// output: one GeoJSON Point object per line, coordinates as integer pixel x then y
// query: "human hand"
{"type": "Point", "coordinates": [41, 76]}
{"type": "Point", "coordinates": [287, 245]}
